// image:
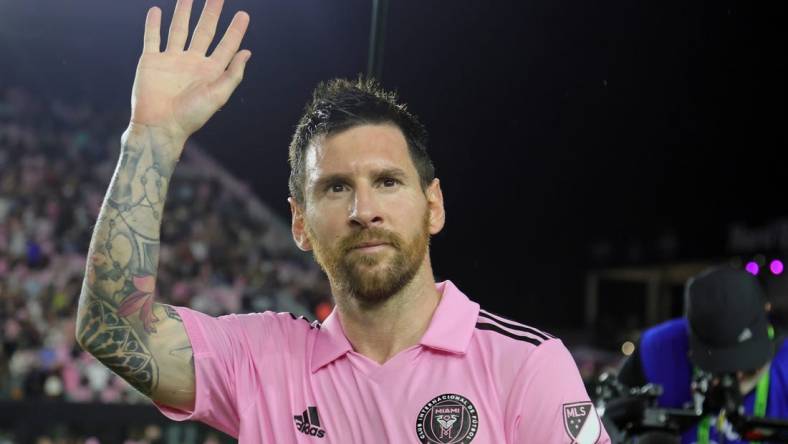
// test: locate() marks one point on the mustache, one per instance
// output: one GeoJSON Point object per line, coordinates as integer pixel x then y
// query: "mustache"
{"type": "Point", "coordinates": [370, 235]}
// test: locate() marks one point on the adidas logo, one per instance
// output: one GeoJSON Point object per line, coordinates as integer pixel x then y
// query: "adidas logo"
{"type": "Point", "coordinates": [308, 423]}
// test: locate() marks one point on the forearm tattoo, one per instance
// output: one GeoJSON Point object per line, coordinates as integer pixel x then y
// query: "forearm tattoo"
{"type": "Point", "coordinates": [117, 316]}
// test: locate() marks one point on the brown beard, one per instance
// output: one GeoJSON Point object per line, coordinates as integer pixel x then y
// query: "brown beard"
{"type": "Point", "coordinates": [350, 271]}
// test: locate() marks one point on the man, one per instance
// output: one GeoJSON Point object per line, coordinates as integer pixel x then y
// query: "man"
{"type": "Point", "coordinates": [401, 358]}
{"type": "Point", "coordinates": [725, 331]}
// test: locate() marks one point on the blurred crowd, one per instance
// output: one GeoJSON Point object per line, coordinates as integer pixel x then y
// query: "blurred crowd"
{"type": "Point", "coordinates": [222, 250]}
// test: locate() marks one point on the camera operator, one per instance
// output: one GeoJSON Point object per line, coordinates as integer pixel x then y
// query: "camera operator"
{"type": "Point", "coordinates": [724, 335]}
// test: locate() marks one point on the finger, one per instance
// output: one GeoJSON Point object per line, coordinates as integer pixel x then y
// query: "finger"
{"type": "Point", "coordinates": [179, 28]}
{"type": "Point", "coordinates": [224, 86]}
{"type": "Point", "coordinates": [152, 38]}
{"type": "Point", "coordinates": [206, 27]}
{"type": "Point", "coordinates": [231, 41]}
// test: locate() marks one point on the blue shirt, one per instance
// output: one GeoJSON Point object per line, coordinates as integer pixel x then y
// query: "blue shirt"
{"type": "Point", "coordinates": [664, 353]}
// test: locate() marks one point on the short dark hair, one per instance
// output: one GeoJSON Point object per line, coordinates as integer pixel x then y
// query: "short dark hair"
{"type": "Point", "coordinates": [341, 104]}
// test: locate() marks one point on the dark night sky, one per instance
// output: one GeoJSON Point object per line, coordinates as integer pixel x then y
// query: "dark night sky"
{"type": "Point", "coordinates": [553, 124]}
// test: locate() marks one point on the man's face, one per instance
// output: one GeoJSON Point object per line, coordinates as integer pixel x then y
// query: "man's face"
{"type": "Point", "coordinates": [365, 215]}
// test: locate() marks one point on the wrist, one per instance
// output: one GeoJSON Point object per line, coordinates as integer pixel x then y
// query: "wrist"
{"type": "Point", "coordinates": [172, 133]}
{"type": "Point", "coordinates": [166, 141]}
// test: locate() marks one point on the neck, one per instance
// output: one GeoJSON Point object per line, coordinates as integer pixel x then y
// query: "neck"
{"type": "Point", "coordinates": [381, 331]}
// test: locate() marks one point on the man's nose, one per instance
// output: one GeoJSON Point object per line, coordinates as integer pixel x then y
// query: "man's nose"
{"type": "Point", "coordinates": [365, 209]}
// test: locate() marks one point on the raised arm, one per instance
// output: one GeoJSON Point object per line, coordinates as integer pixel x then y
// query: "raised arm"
{"type": "Point", "coordinates": [175, 92]}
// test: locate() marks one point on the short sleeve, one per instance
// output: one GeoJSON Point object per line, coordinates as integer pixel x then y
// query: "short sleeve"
{"type": "Point", "coordinates": [549, 403]}
{"type": "Point", "coordinates": [219, 349]}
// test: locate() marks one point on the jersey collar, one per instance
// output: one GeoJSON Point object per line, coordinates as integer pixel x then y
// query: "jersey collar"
{"type": "Point", "coordinates": [453, 322]}
{"type": "Point", "coordinates": [331, 342]}
{"type": "Point", "coordinates": [450, 329]}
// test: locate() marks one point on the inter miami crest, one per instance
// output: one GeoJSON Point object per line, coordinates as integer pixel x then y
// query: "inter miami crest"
{"type": "Point", "coordinates": [447, 419]}
{"type": "Point", "coordinates": [582, 423]}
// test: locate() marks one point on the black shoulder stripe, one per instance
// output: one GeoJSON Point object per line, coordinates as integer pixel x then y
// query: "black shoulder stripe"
{"type": "Point", "coordinates": [533, 331]}
{"type": "Point", "coordinates": [495, 328]}
{"type": "Point", "coordinates": [312, 324]}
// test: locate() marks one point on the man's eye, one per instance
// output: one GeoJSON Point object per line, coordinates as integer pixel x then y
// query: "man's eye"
{"type": "Point", "coordinates": [390, 182]}
{"type": "Point", "coordinates": [337, 188]}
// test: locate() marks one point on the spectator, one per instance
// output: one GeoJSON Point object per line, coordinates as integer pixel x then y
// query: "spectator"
{"type": "Point", "coordinates": [55, 160]}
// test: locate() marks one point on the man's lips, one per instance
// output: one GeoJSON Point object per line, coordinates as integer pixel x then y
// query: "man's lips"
{"type": "Point", "coordinates": [371, 246]}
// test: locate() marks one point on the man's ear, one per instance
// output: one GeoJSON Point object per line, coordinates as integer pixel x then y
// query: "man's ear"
{"type": "Point", "coordinates": [435, 207]}
{"type": "Point", "coordinates": [297, 226]}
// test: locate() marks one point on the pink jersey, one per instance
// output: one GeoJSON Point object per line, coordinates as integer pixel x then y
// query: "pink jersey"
{"type": "Point", "coordinates": [475, 377]}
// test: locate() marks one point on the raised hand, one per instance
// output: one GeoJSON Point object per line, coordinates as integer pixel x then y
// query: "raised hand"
{"type": "Point", "coordinates": [179, 89]}
{"type": "Point", "coordinates": [175, 92]}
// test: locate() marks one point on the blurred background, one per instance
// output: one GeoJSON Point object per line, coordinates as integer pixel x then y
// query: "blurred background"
{"type": "Point", "coordinates": [593, 156]}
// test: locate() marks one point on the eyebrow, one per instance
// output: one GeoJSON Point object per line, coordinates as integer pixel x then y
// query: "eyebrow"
{"type": "Point", "coordinates": [324, 181]}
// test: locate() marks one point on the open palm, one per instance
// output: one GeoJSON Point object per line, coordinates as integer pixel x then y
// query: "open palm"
{"type": "Point", "coordinates": [180, 88]}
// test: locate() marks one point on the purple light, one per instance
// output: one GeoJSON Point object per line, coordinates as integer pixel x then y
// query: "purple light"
{"type": "Point", "coordinates": [776, 266]}
{"type": "Point", "coordinates": [752, 268]}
